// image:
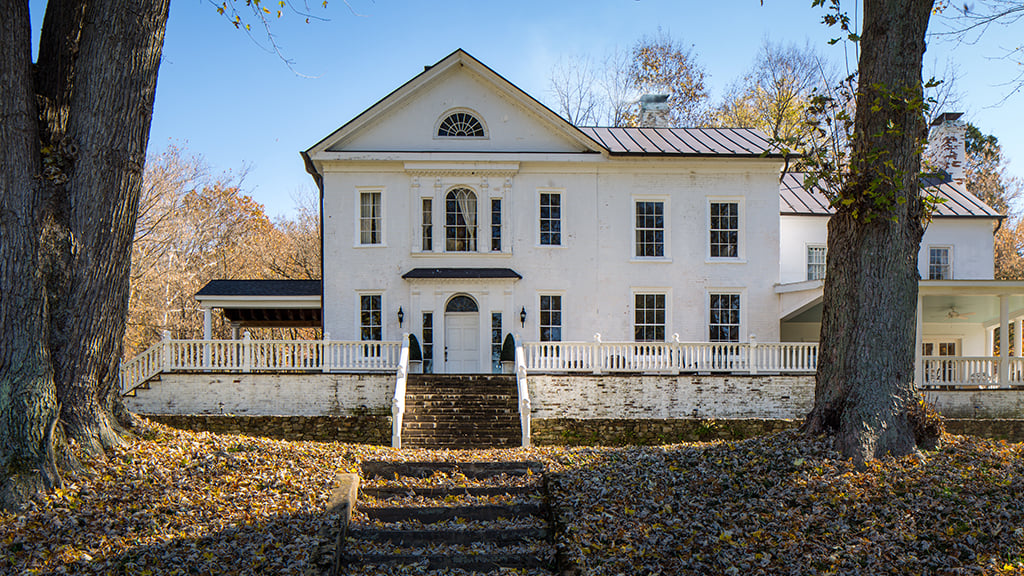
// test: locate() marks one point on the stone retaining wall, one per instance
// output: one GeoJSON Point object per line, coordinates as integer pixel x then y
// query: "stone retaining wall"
{"type": "Point", "coordinates": [650, 431]}
{"type": "Point", "coordinates": [365, 429]}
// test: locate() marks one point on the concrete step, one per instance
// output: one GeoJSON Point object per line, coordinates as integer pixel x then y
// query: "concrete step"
{"type": "Point", "coordinates": [472, 470]}
{"type": "Point", "coordinates": [470, 563]}
{"type": "Point", "coordinates": [415, 537]}
{"type": "Point", "coordinates": [386, 492]}
{"type": "Point", "coordinates": [434, 514]}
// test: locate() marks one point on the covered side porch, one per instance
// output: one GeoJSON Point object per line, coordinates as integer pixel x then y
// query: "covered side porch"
{"type": "Point", "coordinates": [969, 332]}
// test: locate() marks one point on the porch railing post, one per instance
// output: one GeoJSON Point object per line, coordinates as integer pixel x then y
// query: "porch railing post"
{"type": "Point", "coordinates": [752, 355]}
{"type": "Point", "coordinates": [246, 352]}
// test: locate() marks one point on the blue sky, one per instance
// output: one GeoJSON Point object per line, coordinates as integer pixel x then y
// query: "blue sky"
{"type": "Point", "coordinates": [237, 104]}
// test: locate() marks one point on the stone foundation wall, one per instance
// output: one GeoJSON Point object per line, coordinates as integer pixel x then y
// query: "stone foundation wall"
{"type": "Point", "coordinates": [281, 394]}
{"type": "Point", "coordinates": [365, 429]}
{"type": "Point", "coordinates": [621, 432]}
{"type": "Point", "coordinates": [643, 396]}
{"type": "Point", "coordinates": [971, 404]}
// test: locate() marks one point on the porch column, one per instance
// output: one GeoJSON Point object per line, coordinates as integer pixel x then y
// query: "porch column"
{"type": "Point", "coordinates": [1018, 336]}
{"type": "Point", "coordinates": [207, 335]}
{"type": "Point", "coordinates": [919, 343]}
{"type": "Point", "coordinates": [234, 330]}
{"type": "Point", "coordinates": [1004, 339]}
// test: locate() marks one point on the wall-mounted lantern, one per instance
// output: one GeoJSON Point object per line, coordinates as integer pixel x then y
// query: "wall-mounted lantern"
{"type": "Point", "coordinates": [522, 317]}
{"type": "Point", "coordinates": [401, 316]}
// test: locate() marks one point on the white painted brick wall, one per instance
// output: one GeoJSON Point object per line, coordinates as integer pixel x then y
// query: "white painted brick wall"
{"type": "Point", "coordinates": [609, 396]}
{"type": "Point", "coordinates": [977, 403]}
{"type": "Point", "coordinates": [265, 394]}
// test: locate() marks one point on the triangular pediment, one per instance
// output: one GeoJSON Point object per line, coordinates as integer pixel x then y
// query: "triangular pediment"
{"type": "Point", "coordinates": [408, 119]}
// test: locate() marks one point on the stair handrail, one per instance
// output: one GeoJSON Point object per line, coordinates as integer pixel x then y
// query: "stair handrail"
{"type": "Point", "coordinates": [522, 391]}
{"type": "Point", "coordinates": [398, 401]}
{"type": "Point", "coordinates": [141, 368]}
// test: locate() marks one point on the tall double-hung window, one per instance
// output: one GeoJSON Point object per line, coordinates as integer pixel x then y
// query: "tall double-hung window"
{"type": "Point", "coordinates": [550, 219]}
{"type": "Point", "coordinates": [940, 266]}
{"type": "Point", "coordinates": [649, 317]}
{"type": "Point", "coordinates": [650, 229]}
{"type": "Point", "coordinates": [550, 318]}
{"type": "Point", "coordinates": [370, 224]}
{"type": "Point", "coordinates": [460, 228]}
{"type": "Point", "coordinates": [724, 318]}
{"type": "Point", "coordinates": [427, 224]}
{"type": "Point", "coordinates": [370, 321]}
{"type": "Point", "coordinates": [725, 230]}
{"type": "Point", "coordinates": [816, 262]}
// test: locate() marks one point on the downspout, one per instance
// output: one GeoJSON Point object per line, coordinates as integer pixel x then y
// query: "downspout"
{"type": "Point", "coordinates": [319, 180]}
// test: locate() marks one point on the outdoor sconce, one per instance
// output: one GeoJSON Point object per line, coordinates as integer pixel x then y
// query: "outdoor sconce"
{"type": "Point", "coordinates": [522, 317]}
{"type": "Point", "coordinates": [401, 316]}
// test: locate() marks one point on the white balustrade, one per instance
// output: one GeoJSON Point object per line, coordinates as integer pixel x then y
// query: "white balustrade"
{"type": "Point", "coordinates": [982, 371]}
{"type": "Point", "coordinates": [670, 357]}
{"type": "Point", "coordinates": [398, 399]}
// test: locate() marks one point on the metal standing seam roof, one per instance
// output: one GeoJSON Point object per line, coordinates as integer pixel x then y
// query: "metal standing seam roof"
{"type": "Point", "coordinates": [794, 199]}
{"type": "Point", "coordinates": [683, 141]}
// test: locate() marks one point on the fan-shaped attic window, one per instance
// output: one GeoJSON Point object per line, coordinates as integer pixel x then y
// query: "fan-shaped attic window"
{"type": "Point", "coordinates": [460, 125]}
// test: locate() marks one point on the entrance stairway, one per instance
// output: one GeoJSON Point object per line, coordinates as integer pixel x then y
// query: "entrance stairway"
{"type": "Point", "coordinates": [450, 517]}
{"type": "Point", "coordinates": [461, 411]}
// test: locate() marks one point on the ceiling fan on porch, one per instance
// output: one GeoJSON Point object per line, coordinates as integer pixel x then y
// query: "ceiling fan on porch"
{"type": "Point", "coordinates": [954, 314]}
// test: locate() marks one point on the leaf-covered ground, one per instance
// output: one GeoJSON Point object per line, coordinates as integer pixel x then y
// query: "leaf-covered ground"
{"type": "Point", "coordinates": [173, 502]}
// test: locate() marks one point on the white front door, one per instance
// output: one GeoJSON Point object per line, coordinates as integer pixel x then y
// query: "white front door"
{"type": "Point", "coordinates": [462, 342]}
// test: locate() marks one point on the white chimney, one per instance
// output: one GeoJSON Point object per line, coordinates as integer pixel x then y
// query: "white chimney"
{"type": "Point", "coordinates": [947, 146]}
{"type": "Point", "coordinates": [654, 111]}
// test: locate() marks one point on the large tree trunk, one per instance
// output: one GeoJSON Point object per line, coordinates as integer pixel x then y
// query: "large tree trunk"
{"type": "Point", "coordinates": [865, 379]}
{"type": "Point", "coordinates": [71, 173]}
{"type": "Point", "coordinates": [28, 403]}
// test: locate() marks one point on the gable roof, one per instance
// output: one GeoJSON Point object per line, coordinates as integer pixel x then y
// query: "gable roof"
{"type": "Point", "coordinates": [794, 199]}
{"type": "Point", "coordinates": [457, 58]}
{"type": "Point", "coordinates": [718, 142]}
{"type": "Point", "coordinates": [260, 288]}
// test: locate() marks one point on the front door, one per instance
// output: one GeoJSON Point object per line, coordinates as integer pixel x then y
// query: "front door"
{"type": "Point", "coordinates": [461, 335]}
{"type": "Point", "coordinates": [462, 342]}
{"type": "Point", "coordinates": [940, 372]}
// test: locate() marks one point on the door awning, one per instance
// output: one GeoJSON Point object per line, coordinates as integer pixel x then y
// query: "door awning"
{"type": "Point", "coordinates": [461, 274]}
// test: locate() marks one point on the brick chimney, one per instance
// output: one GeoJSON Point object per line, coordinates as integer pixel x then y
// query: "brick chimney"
{"type": "Point", "coordinates": [947, 146]}
{"type": "Point", "coordinates": [654, 111]}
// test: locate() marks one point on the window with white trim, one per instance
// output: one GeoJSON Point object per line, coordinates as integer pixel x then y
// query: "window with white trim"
{"type": "Point", "coordinates": [460, 221]}
{"type": "Point", "coordinates": [427, 225]}
{"type": "Point", "coordinates": [550, 318]}
{"type": "Point", "coordinates": [550, 219]}
{"type": "Point", "coordinates": [460, 125]}
{"type": "Point", "coordinates": [649, 317]}
{"type": "Point", "coordinates": [725, 229]}
{"type": "Point", "coordinates": [496, 342]}
{"type": "Point", "coordinates": [815, 262]}
{"type": "Point", "coordinates": [940, 265]}
{"type": "Point", "coordinates": [724, 318]}
{"type": "Point", "coordinates": [370, 325]}
{"type": "Point", "coordinates": [369, 218]}
{"type": "Point", "coordinates": [650, 229]}
{"type": "Point", "coordinates": [428, 342]}
{"type": "Point", "coordinates": [495, 224]}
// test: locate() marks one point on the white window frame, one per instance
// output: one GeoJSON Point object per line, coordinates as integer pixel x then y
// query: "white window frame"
{"type": "Point", "coordinates": [359, 313]}
{"type": "Point", "coordinates": [561, 218]}
{"type": "Point", "coordinates": [744, 305]}
{"type": "Point", "coordinates": [807, 259]}
{"type": "Point", "coordinates": [949, 260]}
{"type": "Point", "coordinates": [471, 112]}
{"type": "Point", "coordinates": [358, 239]}
{"type": "Point", "coordinates": [741, 233]}
{"type": "Point", "coordinates": [481, 200]}
{"type": "Point", "coordinates": [666, 238]}
{"type": "Point", "coordinates": [433, 225]}
{"type": "Point", "coordinates": [561, 310]}
{"type": "Point", "coordinates": [655, 291]}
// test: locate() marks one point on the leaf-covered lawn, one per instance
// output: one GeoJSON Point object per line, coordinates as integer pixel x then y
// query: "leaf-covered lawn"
{"type": "Point", "coordinates": [173, 502]}
{"type": "Point", "coordinates": [786, 504]}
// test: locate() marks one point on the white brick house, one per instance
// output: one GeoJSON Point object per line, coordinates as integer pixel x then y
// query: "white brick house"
{"type": "Point", "coordinates": [460, 210]}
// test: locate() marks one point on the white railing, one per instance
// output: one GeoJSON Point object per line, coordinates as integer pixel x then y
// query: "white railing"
{"type": "Point", "coordinates": [597, 357]}
{"type": "Point", "coordinates": [972, 371]}
{"type": "Point", "coordinates": [247, 355]}
{"type": "Point", "coordinates": [522, 392]}
{"type": "Point", "coordinates": [398, 400]}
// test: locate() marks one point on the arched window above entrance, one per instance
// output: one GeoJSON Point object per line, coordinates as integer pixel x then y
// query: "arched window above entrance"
{"type": "Point", "coordinates": [461, 303]}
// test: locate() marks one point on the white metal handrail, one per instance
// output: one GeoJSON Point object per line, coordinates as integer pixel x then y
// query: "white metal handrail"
{"type": "Point", "coordinates": [398, 400]}
{"type": "Point", "coordinates": [248, 355]}
{"type": "Point", "coordinates": [522, 391]}
{"type": "Point", "coordinates": [597, 357]}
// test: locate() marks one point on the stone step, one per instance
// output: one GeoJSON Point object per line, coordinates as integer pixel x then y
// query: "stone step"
{"type": "Point", "coordinates": [466, 406]}
{"type": "Point", "coordinates": [416, 537]}
{"type": "Point", "coordinates": [434, 514]}
{"type": "Point", "coordinates": [461, 417]}
{"type": "Point", "coordinates": [386, 492]}
{"type": "Point", "coordinates": [473, 470]}
{"type": "Point", "coordinates": [462, 398]}
{"type": "Point", "coordinates": [469, 563]}
{"type": "Point", "coordinates": [462, 378]}
{"type": "Point", "coordinates": [411, 392]}
{"type": "Point", "coordinates": [482, 414]}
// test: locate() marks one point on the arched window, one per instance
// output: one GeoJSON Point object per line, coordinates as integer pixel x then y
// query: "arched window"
{"type": "Point", "coordinates": [460, 221]}
{"type": "Point", "coordinates": [461, 303]}
{"type": "Point", "coordinates": [460, 125]}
